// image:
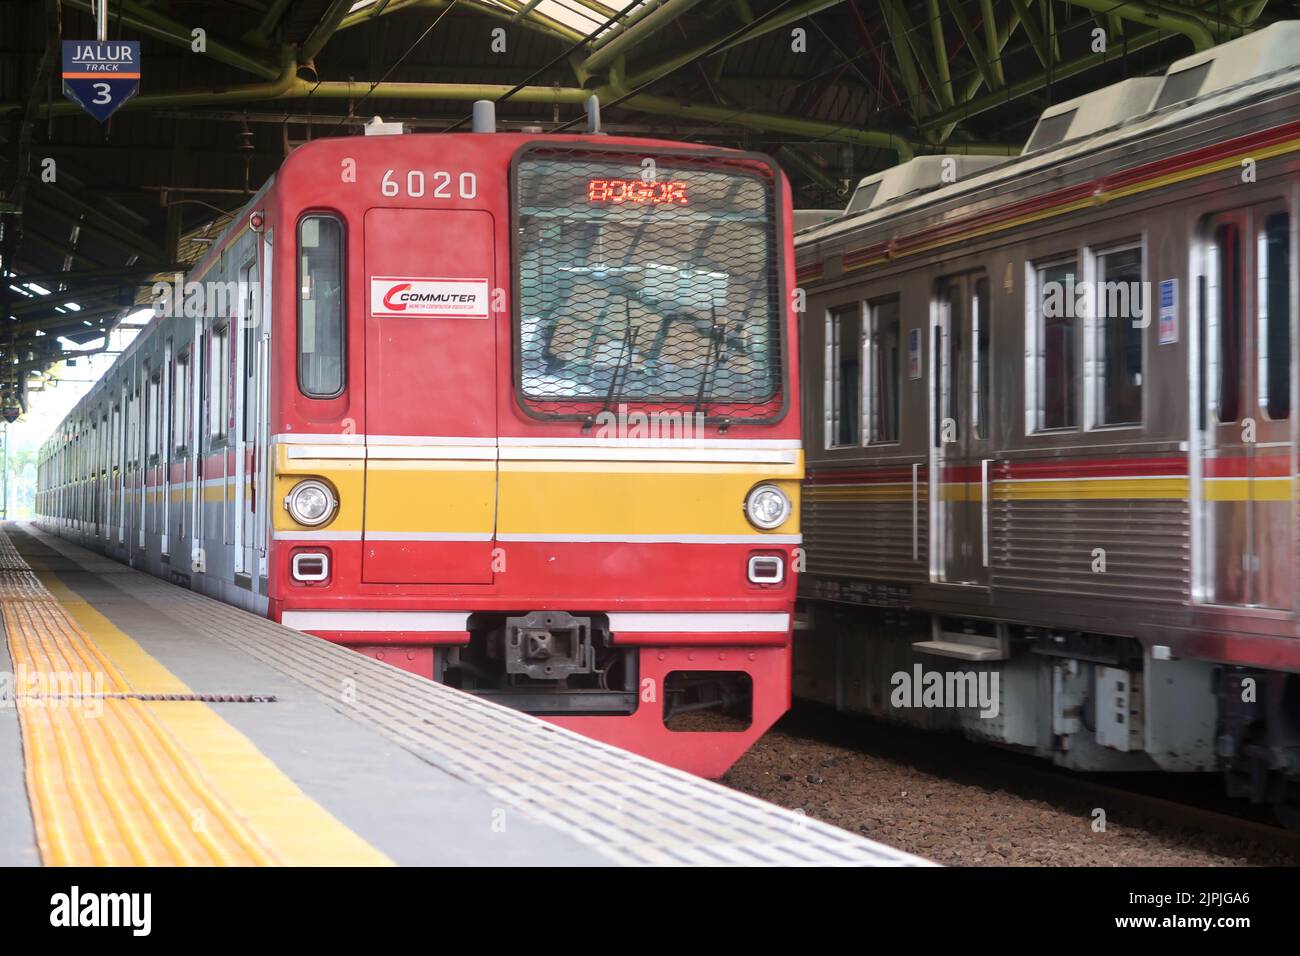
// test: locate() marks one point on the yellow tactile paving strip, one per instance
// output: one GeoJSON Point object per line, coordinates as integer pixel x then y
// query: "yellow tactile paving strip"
{"type": "Point", "coordinates": [115, 780]}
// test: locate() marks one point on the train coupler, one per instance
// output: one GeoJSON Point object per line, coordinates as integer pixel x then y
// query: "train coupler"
{"type": "Point", "coordinates": [549, 645]}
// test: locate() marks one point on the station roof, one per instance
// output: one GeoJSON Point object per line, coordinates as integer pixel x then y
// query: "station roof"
{"type": "Point", "coordinates": [835, 89]}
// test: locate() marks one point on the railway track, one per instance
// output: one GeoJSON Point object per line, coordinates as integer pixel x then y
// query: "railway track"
{"type": "Point", "coordinates": [1124, 805]}
{"type": "Point", "coordinates": [962, 802]}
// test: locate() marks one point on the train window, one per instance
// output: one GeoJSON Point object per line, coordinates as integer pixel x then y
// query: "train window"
{"type": "Point", "coordinates": [181, 402]}
{"type": "Point", "coordinates": [115, 446]}
{"type": "Point", "coordinates": [950, 338]}
{"type": "Point", "coordinates": [1055, 335]}
{"type": "Point", "coordinates": [663, 290]}
{"type": "Point", "coordinates": [1225, 313]}
{"type": "Point", "coordinates": [153, 413]}
{"type": "Point", "coordinates": [886, 381]}
{"type": "Point", "coordinates": [133, 428]}
{"type": "Point", "coordinates": [1120, 310]}
{"type": "Point", "coordinates": [982, 379]}
{"type": "Point", "coordinates": [1183, 85]}
{"type": "Point", "coordinates": [1273, 269]}
{"type": "Point", "coordinates": [218, 382]}
{"type": "Point", "coordinates": [1050, 131]}
{"type": "Point", "coordinates": [844, 376]}
{"type": "Point", "coordinates": [861, 198]}
{"type": "Point", "coordinates": [320, 306]}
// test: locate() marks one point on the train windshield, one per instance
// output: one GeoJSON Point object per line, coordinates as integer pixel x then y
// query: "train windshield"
{"type": "Point", "coordinates": [648, 279]}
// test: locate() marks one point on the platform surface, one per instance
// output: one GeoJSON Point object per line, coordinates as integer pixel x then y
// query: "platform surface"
{"type": "Point", "coordinates": [144, 724]}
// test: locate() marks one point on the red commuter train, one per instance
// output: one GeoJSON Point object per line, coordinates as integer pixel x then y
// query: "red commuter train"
{"type": "Point", "coordinates": [515, 412]}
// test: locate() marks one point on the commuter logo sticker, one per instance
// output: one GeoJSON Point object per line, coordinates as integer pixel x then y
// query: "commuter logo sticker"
{"type": "Point", "coordinates": [403, 297]}
{"type": "Point", "coordinates": [101, 75]}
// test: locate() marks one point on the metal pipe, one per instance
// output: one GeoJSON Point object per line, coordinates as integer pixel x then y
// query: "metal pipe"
{"type": "Point", "coordinates": [944, 92]}
{"type": "Point", "coordinates": [774, 123]}
{"type": "Point", "coordinates": [289, 86]}
{"type": "Point", "coordinates": [523, 11]}
{"type": "Point", "coordinates": [1191, 25]}
{"type": "Point", "coordinates": [629, 20]}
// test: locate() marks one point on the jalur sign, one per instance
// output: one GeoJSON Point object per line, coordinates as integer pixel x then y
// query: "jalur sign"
{"type": "Point", "coordinates": [101, 75]}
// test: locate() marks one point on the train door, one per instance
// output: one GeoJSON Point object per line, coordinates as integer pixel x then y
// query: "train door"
{"type": "Point", "coordinates": [198, 388]}
{"type": "Point", "coordinates": [135, 473]}
{"type": "Point", "coordinates": [144, 409]}
{"type": "Point", "coordinates": [167, 393]}
{"type": "Point", "coordinates": [262, 452]}
{"type": "Point", "coordinates": [119, 466]}
{"type": "Point", "coordinates": [959, 472]}
{"type": "Point", "coordinates": [182, 407]}
{"type": "Point", "coordinates": [1247, 449]}
{"type": "Point", "coordinates": [102, 485]}
{"type": "Point", "coordinates": [245, 341]}
{"type": "Point", "coordinates": [430, 509]}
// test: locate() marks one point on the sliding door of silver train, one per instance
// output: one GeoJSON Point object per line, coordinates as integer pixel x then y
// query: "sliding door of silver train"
{"type": "Point", "coordinates": [1247, 449]}
{"type": "Point", "coordinates": [959, 438]}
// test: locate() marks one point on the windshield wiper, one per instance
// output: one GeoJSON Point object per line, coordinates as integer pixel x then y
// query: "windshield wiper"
{"type": "Point", "coordinates": [712, 362]}
{"type": "Point", "coordinates": [621, 369]}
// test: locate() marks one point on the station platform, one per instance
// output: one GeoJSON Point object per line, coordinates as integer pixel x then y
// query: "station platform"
{"type": "Point", "coordinates": [143, 724]}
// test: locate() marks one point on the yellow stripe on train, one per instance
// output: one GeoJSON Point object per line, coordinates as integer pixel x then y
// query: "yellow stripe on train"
{"type": "Point", "coordinates": [636, 497]}
{"type": "Point", "coordinates": [538, 497]}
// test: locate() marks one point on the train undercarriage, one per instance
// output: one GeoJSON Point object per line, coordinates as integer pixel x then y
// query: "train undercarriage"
{"type": "Point", "coordinates": [1088, 702]}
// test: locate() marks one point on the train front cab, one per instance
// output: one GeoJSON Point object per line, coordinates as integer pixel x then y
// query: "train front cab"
{"type": "Point", "coordinates": [560, 472]}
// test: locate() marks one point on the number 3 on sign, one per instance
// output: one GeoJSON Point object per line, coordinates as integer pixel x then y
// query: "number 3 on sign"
{"type": "Point", "coordinates": [103, 94]}
{"type": "Point", "coordinates": [437, 185]}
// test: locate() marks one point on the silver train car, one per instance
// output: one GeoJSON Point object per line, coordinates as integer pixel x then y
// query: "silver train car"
{"type": "Point", "coordinates": [1051, 435]}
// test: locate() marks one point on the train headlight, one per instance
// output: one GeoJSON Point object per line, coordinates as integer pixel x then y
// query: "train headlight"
{"type": "Point", "coordinates": [767, 507]}
{"type": "Point", "coordinates": [311, 502]}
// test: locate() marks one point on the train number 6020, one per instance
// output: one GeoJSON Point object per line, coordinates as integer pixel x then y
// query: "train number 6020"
{"type": "Point", "coordinates": [440, 180]}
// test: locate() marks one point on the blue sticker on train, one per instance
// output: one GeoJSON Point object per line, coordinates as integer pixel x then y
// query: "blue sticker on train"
{"type": "Point", "coordinates": [1168, 311]}
{"type": "Point", "coordinates": [101, 75]}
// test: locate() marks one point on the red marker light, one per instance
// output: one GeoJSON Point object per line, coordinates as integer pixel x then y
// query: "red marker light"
{"type": "Point", "coordinates": [616, 191]}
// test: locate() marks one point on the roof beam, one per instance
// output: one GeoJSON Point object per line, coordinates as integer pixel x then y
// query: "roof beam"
{"type": "Point", "coordinates": [720, 44]}
{"type": "Point", "coordinates": [605, 52]}
{"type": "Point", "coordinates": [321, 33]}
{"type": "Point", "coordinates": [156, 24]}
{"type": "Point", "coordinates": [896, 25]}
{"type": "Point", "coordinates": [973, 44]}
{"type": "Point", "coordinates": [88, 217]}
{"type": "Point", "coordinates": [90, 275]}
{"type": "Point", "coordinates": [61, 246]}
{"type": "Point", "coordinates": [1017, 89]}
{"type": "Point", "coordinates": [47, 302]}
{"type": "Point", "coordinates": [260, 35]}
